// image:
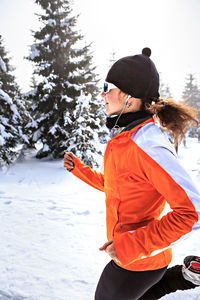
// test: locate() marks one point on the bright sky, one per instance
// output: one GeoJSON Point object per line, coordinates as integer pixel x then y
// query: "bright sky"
{"type": "Point", "coordinates": [169, 27]}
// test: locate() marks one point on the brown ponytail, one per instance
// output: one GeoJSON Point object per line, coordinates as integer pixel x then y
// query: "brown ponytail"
{"type": "Point", "coordinates": [173, 116]}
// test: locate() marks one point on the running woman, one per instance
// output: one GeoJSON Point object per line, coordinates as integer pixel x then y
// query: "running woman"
{"type": "Point", "coordinates": [142, 174]}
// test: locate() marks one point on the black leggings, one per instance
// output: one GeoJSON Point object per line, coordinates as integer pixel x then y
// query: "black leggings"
{"type": "Point", "coordinates": [117, 283]}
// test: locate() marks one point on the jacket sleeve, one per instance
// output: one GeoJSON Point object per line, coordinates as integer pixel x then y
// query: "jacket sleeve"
{"type": "Point", "coordinates": [88, 175]}
{"type": "Point", "coordinates": [161, 168]}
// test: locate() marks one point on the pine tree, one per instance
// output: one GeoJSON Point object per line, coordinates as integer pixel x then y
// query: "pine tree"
{"type": "Point", "coordinates": [28, 96]}
{"type": "Point", "coordinates": [33, 82]}
{"type": "Point", "coordinates": [84, 134]}
{"type": "Point", "coordinates": [164, 89]}
{"type": "Point", "coordinates": [9, 85]}
{"type": "Point", "coordinates": [112, 60]}
{"type": "Point", "coordinates": [8, 81]}
{"type": "Point", "coordinates": [168, 93]}
{"type": "Point", "coordinates": [191, 97]}
{"type": "Point", "coordinates": [96, 108]}
{"type": "Point", "coordinates": [191, 93]}
{"type": "Point", "coordinates": [12, 112]}
{"type": "Point", "coordinates": [67, 72]}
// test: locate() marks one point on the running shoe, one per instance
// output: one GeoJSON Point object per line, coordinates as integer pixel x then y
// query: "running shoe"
{"type": "Point", "coordinates": [191, 269]}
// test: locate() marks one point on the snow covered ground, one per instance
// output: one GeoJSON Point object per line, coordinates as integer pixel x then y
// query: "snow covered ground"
{"type": "Point", "coordinates": [51, 226]}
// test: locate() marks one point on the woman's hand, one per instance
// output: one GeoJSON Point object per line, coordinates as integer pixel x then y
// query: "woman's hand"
{"type": "Point", "coordinates": [108, 247]}
{"type": "Point", "coordinates": [68, 160]}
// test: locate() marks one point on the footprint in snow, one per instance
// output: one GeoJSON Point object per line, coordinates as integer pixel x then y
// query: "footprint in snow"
{"type": "Point", "coordinates": [7, 202]}
{"type": "Point", "coordinates": [52, 207]}
{"type": "Point", "coordinates": [21, 180]}
{"type": "Point", "coordinates": [6, 197]}
{"type": "Point", "coordinates": [51, 201]}
{"type": "Point", "coordinates": [81, 281]}
{"type": "Point", "coordinates": [8, 296]}
{"type": "Point", "coordinates": [86, 212]}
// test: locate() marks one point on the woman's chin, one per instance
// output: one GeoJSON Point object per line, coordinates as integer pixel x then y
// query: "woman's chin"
{"type": "Point", "coordinates": [110, 113]}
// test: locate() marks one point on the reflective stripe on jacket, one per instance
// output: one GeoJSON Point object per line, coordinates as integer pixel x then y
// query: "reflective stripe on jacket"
{"type": "Point", "coordinates": [141, 174]}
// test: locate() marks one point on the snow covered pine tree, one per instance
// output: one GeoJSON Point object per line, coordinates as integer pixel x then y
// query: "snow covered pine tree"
{"type": "Point", "coordinates": [68, 81]}
{"type": "Point", "coordinates": [191, 93]}
{"type": "Point", "coordinates": [13, 115]}
{"type": "Point", "coordinates": [164, 89]}
{"type": "Point", "coordinates": [89, 126]}
{"type": "Point", "coordinates": [191, 97]}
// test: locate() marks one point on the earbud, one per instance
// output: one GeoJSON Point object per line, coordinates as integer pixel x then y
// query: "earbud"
{"type": "Point", "coordinates": [127, 104]}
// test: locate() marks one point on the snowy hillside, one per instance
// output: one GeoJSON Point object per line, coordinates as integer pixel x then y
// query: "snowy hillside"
{"type": "Point", "coordinates": [52, 225]}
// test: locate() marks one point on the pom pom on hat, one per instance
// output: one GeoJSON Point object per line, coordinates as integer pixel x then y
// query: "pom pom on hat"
{"type": "Point", "coordinates": [146, 51]}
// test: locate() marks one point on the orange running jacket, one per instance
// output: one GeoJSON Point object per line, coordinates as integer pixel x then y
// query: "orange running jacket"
{"type": "Point", "coordinates": [141, 174]}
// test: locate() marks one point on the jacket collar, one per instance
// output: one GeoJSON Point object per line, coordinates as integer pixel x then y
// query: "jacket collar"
{"type": "Point", "coordinates": [136, 123]}
{"type": "Point", "coordinates": [129, 129]}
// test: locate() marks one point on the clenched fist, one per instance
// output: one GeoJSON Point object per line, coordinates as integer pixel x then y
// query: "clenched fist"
{"type": "Point", "coordinates": [108, 247]}
{"type": "Point", "coordinates": [68, 161]}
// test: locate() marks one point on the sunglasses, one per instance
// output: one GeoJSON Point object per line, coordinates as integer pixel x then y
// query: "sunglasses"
{"type": "Point", "coordinates": [108, 86]}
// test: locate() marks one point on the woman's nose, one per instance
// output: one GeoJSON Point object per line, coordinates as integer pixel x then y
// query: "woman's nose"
{"type": "Point", "coordinates": [103, 94]}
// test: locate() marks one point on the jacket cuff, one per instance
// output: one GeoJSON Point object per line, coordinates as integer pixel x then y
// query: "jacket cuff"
{"type": "Point", "coordinates": [71, 168]}
{"type": "Point", "coordinates": [76, 162]}
{"type": "Point", "coordinates": [77, 165]}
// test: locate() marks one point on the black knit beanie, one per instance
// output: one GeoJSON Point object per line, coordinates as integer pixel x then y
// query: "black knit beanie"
{"type": "Point", "coordinates": [136, 75]}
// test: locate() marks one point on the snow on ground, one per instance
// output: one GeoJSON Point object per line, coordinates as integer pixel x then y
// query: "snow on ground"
{"type": "Point", "coordinates": [52, 225]}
